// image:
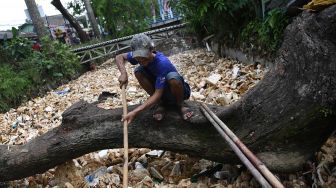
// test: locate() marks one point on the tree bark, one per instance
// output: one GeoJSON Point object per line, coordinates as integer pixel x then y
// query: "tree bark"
{"type": "Point", "coordinates": [73, 22]}
{"type": "Point", "coordinates": [36, 18]}
{"type": "Point", "coordinates": [92, 18]}
{"type": "Point", "coordinates": [284, 119]}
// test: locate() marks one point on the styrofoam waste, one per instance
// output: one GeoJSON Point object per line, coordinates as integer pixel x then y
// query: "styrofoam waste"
{"type": "Point", "coordinates": [155, 153]}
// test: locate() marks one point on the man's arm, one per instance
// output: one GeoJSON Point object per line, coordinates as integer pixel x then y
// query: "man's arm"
{"type": "Point", "coordinates": [120, 61]}
{"type": "Point", "coordinates": [147, 104]}
{"type": "Point", "coordinates": [150, 101]}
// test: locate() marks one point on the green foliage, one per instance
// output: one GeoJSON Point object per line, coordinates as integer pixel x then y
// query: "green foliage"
{"type": "Point", "coordinates": [53, 65]}
{"type": "Point", "coordinates": [235, 22]}
{"type": "Point", "coordinates": [13, 87]}
{"type": "Point", "coordinates": [15, 32]}
{"type": "Point", "coordinates": [222, 17]}
{"type": "Point", "coordinates": [119, 17]}
{"type": "Point", "coordinates": [19, 48]}
{"type": "Point", "coordinates": [122, 17]}
{"type": "Point", "coordinates": [268, 33]}
{"type": "Point", "coordinates": [4, 56]}
{"type": "Point", "coordinates": [77, 7]}
{"type": "Point", "coordinates": [326, 112]}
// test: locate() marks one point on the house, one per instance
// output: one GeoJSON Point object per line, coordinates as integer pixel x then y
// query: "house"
{"type": "Point", "coordinates": [52, 23]}
{"type": "Point", "coordinates": [27, 30]}
{"type": "Point", "coordinates": [4, 35]}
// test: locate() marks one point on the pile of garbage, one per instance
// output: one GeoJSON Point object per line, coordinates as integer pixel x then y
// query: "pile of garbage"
{"type": "Point", "coordinates": [213, 80]}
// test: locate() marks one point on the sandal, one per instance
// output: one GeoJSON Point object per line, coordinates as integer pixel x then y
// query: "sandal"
{"type": "Point", "coordinates": [159, 113]}
{"type": "Point", "coordinates": [186, 113]}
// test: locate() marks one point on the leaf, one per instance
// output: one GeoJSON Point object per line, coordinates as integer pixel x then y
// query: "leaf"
{"type": "Point", "coordinates": [58, 74]}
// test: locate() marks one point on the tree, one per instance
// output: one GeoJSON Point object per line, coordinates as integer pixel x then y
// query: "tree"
{"type": "Point", "coordinates": [81, 33]}
{"type": "Point", "coordinates": [284, 119]}
{"type": "Point", "coordinates": [227, 16]}
{"type": "Point", "coordinates": [119, 17]}
{"type": "Point", "coordinates": [92, 18]}
{"type": "Point", "coordinates": [122, 17]}
{"type": "Point", "coordinates": [36, 18]}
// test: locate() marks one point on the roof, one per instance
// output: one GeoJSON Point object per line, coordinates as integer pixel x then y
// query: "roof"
{"type": "Point", "coordinates": [6, 34]}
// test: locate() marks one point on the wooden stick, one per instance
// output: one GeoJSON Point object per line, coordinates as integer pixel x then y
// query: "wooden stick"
{"type": "Point", "coordinates": [258, 176]}
{"type": "Point", "coordinates": [125, 172]}
{"type": "Point", "coordinates": [247, 152]}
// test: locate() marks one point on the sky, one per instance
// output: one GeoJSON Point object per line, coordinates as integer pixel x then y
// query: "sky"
{"type": "Point", "coordinates": [12, 11]}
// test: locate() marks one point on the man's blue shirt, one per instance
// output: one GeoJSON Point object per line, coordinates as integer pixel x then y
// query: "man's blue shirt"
{"type": "Point", "coordinates": [159, 68]}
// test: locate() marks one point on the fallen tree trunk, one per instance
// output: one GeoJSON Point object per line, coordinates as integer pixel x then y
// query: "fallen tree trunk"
{"type": "Point", "coordinates": [284, 119]}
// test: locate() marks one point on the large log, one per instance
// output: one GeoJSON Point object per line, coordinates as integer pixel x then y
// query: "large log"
{"type": "Point", "coordinates": [284, 119]}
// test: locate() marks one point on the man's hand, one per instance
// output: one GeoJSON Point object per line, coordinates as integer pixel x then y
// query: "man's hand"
{"type": "Point", "coordinates": [129, 117]}
{"type": "Point", "coordinates": [123, 80]}
{"type": "Point", "coordinates": [120, 61]}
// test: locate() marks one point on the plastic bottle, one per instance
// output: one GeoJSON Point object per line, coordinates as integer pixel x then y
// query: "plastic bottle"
{"type": "Point", "coordinates": [90, 179]}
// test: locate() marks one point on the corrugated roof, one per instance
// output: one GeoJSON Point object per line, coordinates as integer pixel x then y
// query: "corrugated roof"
{"type": "Point", "coordinates": [6, 34]}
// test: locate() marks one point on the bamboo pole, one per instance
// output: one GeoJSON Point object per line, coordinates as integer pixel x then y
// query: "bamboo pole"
{"type": "Point", "coordinates": [260, 178]}
{"type": "Point", "coordinates": [125, 171]}
{"type": "Point", "coordinates": [256, 162]}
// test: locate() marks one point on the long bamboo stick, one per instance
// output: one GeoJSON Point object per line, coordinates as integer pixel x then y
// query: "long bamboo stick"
{"type": "Point", "coordinates": [259, 177]}
{"type": "Point", "coordinates": [125, 170]}
{"type": "Point", "coordinates": [256, 162]}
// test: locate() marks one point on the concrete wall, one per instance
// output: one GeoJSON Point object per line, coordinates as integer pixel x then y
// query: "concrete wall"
{"type": "Point", "coordinates": [244, 57]}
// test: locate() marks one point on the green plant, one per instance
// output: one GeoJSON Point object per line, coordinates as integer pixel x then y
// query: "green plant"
{"type": "Point", "coordinates": [122, 17]}
{"type": "Point", "coordinates": [268, 33]}
{"type": "Point", "coordinates": [54, 63]}
{"type": "Point", "coordinates": [13, 87]}
{"type": "Point", "coordinates": [271, 32]}
{"type": "Point", "coordinates": [236, 22]}
{"type": "Point", "coordinates": [19, 48]}
{"type": "Point", "coordinates": [327, 112]}
{"type": "Point", "coordinates": [4, 57]}
{"type": "Point", "coordinates": [221, 17]}
{"type": "Point", "coordinates": [119, 17]}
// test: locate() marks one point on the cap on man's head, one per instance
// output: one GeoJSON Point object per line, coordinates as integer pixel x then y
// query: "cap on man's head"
{"type": "Point", "coordinates": [141, 45]}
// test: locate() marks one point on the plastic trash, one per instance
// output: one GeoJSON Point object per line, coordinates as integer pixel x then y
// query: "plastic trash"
{"type": "Point", "coordinates": [139, 165]}
{"type": "Point", "coordinates": [105, 94]}
{"type": "Point", "coordinates": [235, 72]}
{"type": "Point", "coordinates": [15, 124]}
{"type": "Point", "coordinates": [63, 92]}
{"type": "Point", "coordinates": [155, 153]}
{"type": "Point", "coordinates": [176, 171]}
{"type": "Point", "coordinates": [48, 109]}
{"type": "Point", "coordinates": [18, 121]}
{"type": "Point", "coordinates": [103, 154]}
{"type": "Point", "coordinates": [143, 159]}
{"type": "Point", "coordinates": [222, 174]}
{"type": "Point", "coordinates": [109, 169]}
{"type": "Point", "coordinates": [91, 179]}
{"type": "Point", "coordinates": [155, 174]}
{"type": "Point", "coordinates": [206, 172]}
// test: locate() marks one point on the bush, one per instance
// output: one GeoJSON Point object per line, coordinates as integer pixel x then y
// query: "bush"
{"type": "Point", "coordinates": [236, 22]}
{"type": "Point", "coordinates": [19, 48]}
{"type": "Point", "coordinates": [13, 87]}
{"type": "Point", "coordinates": [221, 17]}
{"type": "Point", "coordinates": [32, 70]}
{"type": "Point", "coordinates": [54, 63]}
{"type": "Point", "coordinates": [4, 56]}
{"type": "Point", "coordinates": [268, 33]}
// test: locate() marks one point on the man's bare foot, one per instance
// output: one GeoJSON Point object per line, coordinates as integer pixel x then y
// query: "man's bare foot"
{"type": "Point", "coordinates": [159, 113]}
{"type": "Point", "coordinates": [186, 113]}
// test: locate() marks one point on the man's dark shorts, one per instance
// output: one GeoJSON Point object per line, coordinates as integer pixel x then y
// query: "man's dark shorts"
{"type": "Point", "coordinates": [168, 97]}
